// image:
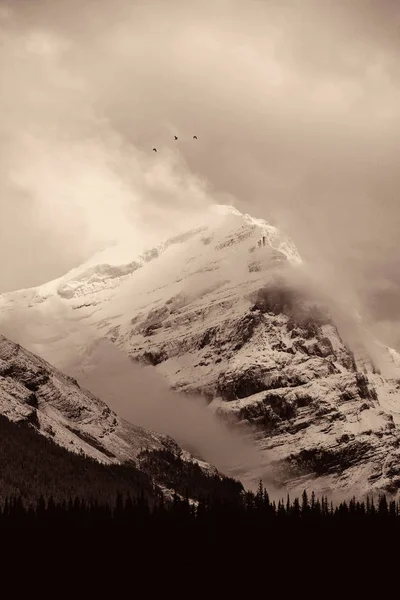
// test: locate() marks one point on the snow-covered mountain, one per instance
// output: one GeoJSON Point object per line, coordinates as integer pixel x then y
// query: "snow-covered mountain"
{"type": "Point", "coordinates": [219, 311]}
{"type": "Point", "coordinates": [34, 392]}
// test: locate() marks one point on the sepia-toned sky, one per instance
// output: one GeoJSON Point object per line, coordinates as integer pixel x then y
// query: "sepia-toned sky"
{"type": "Point", "coordinates": [296, 105]}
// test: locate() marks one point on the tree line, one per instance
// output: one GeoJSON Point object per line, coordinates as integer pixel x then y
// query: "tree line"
{"type": "Point", "coordinates": [33, 466]}
{"type": "Point", "coordinates": [249, 513]}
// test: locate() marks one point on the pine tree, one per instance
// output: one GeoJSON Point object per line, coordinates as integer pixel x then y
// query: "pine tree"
{"type": "Point", "coordinates": [296, 512]}
{"type": "Point", "coordinates": [382, 507]}
{"type": "Point", "coordinates": [259, 498]}
{"type": "Point", "coordinates": [304, 504]}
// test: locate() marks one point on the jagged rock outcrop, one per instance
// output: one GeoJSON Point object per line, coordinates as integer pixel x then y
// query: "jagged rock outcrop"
{"type": "Point", "coordinates": [220, 314]}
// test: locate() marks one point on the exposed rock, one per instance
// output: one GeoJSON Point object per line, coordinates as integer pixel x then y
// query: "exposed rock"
{"type": "Point", "coordinates": [216, 314]}
{"type": "Point", "coordinates": [77, 420]}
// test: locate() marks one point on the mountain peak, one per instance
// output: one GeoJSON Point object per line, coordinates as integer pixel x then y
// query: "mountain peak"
{"type": "Point", "coordinates": [210, 309]}
{"type": "Point", "coordinates": [225, 209]}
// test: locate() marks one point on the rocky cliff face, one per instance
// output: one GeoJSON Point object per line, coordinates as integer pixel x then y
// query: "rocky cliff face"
{"type": "Point", "coordinates": [278, 362]}
{"type": "Point", "coordinates": [218, 313]}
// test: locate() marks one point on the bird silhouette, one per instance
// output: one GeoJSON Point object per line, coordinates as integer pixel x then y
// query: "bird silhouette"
{"type": "Point", "coordinates": [175, 137]}
{"type": "Point", "coordinates": [195, 137]}
{"type": "Point", "coordinates": [154, 149]}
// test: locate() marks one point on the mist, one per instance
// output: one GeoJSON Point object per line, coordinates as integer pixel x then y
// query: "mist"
{"type": "Point", "coordinates": [141, 395]}
{"type": "Point", "coordinates": [295, 105]}
{"type": "Point", "coordinates": [137, 393]}
{"type": "Point", "coordinates": [344, 309]}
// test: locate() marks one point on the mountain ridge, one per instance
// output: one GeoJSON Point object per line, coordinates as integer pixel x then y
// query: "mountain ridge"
{"type": "Point", "coordinates": [217, 312]}
{"type": "Point", "coordinates": [39, 396]}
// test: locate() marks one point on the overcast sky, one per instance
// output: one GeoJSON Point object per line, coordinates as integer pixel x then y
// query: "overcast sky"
{"type": "Point", "coordinates": [296, 105]}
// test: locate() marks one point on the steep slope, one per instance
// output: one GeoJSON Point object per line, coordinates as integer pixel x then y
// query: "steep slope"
{"type": "Point", "coordinates": [218, 311]}
{"type": "Point", "coordinates": [33, 465]}
{"type": "Point", "coordinates": [34, 393]}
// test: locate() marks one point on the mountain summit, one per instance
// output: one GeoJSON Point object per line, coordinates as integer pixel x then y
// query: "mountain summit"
{"type": "Point", "coordinates": [218, 311]}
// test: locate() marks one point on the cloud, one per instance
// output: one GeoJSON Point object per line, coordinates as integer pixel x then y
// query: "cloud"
{"type": "Point", "coordinates": [136, 393]}
{"type": "Point", "coordinates": [142, 396]}
{"type": "Point", "coordinates": [295, 105]}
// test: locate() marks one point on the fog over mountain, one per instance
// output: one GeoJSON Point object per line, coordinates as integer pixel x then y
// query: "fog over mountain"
{"type": "Point", "coordinates": [295, 106]}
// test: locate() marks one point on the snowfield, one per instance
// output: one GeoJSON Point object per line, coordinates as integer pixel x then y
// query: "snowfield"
{"type": "Point", "coordinates": [218, 312]}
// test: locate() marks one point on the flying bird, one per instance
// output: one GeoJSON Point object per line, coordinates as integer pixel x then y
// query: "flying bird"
{"type": "Point", "coordinates": [195, 137]}
{"type": "Point", "coordinates": [154, 149]}
{"type": "Point", "coordinates": [175, 137]}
